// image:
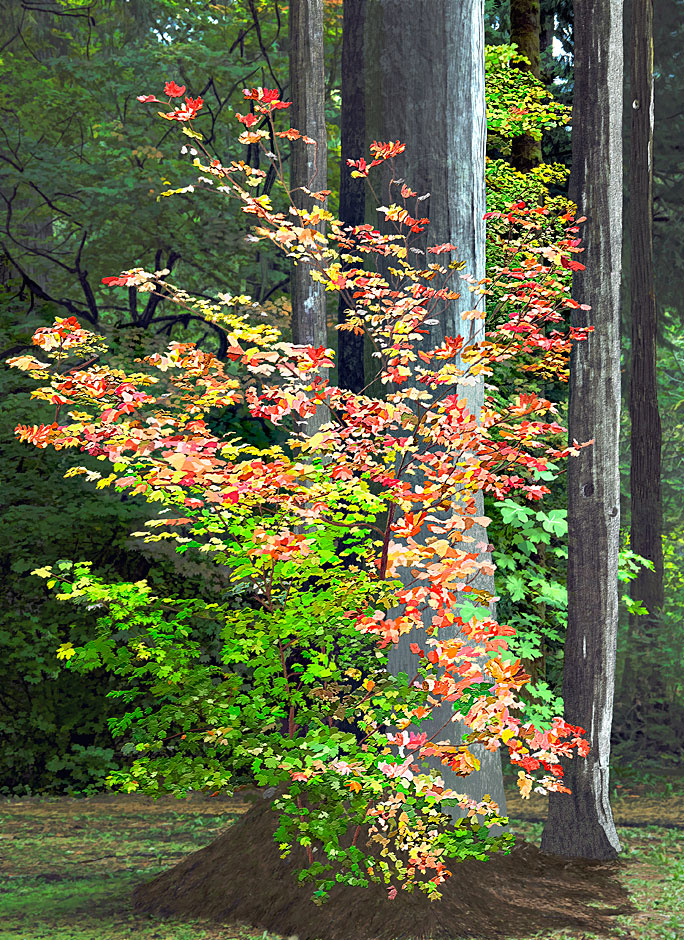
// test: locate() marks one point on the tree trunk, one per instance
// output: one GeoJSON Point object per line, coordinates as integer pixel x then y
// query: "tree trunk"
{"type": "Point", "coordinates": [309, 166]}
{"type": "Point", "coordinates": [525, 28]}
{"type": "Point", "coordinates": [546, 33]}
{"type": "Point", "coordinates": [641, 685]}
{"type": "Point", "coordinates": [581, 824]}
{"type": "Point", "coordinates": [425, 87]}
{"type": "Point", "coordinates": [350, 371]}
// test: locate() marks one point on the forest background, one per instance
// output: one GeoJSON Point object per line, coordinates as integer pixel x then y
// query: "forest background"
{"type": "Point", "coordinates": [82, 169]}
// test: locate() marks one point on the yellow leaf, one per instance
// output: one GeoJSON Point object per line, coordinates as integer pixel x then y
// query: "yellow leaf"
{"type": "Point", "coordinates": [440, 547]}
{"type": "Point", "coordinates": [177, 461]}
{"type": "Point", "coordinates": [74, 472]}
{"type": "Point", "coordinates": [524, 784]}
{"type": "Point", "coordinates": [26, 363]}
{"type": "Point", "coordinates": [65, 651]}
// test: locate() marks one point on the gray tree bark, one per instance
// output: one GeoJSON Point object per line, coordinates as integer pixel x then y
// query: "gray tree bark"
{"type": "Point", "coordinates": [425, 88]}
{"type": "Point", "coordinates": [309, 166]}
{"type": "Point", "coordinates": [581, 824]}
{"type": "Point", "coordinates": [641, 687]}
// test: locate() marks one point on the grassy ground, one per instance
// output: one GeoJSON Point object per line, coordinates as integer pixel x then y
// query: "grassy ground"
{"type": "Point", "coordinates": [68, 866]}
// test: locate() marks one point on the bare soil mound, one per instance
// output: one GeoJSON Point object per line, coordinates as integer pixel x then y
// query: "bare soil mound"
{"type": "Point", "coordinates": [241, 877]}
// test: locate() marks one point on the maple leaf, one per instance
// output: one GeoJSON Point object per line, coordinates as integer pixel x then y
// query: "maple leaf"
{"type": "Point", "coordinates": [571, 265]}
{"type": "Point", "coordinates": [440, 249]}
{"type": "Point", "coordinates": [290, 134]}
{"type": "Point", "coordinates": [360, 167]}
{"type": "Point", "coordinates": [172, 90]}
{"type": "Point", "coordinates": [261, 94]}
{"type": "Point", "coordinates": [66, 651]}
{"type": "Point", "coordinates": [384, 151]}
{"type": "Point", "coordinates": [440, 547]}
{"type": "Point", "coordinates": [122, 280]}
{"type": "Point", "coordinates": [525, 783]}
{"type": "Point", "coordinates": [25, 363]}
{"type": "Point", "coordinates": [186, 112]}
{"type": "Point", "coordinates": [358, 447]}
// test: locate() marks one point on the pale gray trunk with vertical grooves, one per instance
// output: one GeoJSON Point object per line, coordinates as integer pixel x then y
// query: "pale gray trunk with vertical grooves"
{"type": "Point", "coordinates": [581, 824]}
{"type": "Point", "coordinates": [308, 167]}
{"type": "Point", "coordinates": [425, 87]}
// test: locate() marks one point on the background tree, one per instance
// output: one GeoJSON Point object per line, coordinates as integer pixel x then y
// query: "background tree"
{"type": "Point", "coordinates": [581, 824]}
{"type": "Point", "coordinates": [349, 359]}
{"type": "Point", "coordinates": [526, 152]}
{"type": "Point", "coordinates": [308, 164]}
{"type": "Point", "coordinates": [646, 689]}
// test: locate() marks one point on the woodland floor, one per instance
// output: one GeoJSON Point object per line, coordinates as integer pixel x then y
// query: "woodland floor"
{"type": "Point", "coordinates": [68, 869]}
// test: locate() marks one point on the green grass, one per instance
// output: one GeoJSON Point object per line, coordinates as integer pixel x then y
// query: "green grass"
{"type": "Point", "coordinates": [69, 866]}
{"type": "Point", "coordinates": [654, 878]}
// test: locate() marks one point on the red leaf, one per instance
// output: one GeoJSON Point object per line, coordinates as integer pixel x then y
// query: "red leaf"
{"type": "Point", "coordinates": [173, 90]}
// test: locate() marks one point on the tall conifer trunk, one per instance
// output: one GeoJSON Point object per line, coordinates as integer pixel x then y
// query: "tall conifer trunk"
{"type": "Point", "coordinates": [580, 824]}
{"type": "Point", "coordinates": [425, 87]}
{"type": "Point", "coordinates": [309, 165]}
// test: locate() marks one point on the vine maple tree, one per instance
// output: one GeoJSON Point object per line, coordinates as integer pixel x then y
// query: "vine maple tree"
{"type": "Point", "coordinates": [284, 520]}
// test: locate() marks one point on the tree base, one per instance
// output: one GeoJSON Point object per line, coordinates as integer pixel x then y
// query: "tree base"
{"type": "Point", "coordinates": [240, 878]}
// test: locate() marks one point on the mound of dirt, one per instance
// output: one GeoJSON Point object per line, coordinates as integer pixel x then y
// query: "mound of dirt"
{"type": "Point", "coordinates": [240, 877]}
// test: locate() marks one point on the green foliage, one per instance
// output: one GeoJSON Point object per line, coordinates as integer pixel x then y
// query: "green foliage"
{"type": "Point", "coordinates": [53, 731]}
{"type": "Point", "coordinates": [668, 178]}
{"type": "Point", "coordinates": [497, 21]}
{"type": "Point", "coordinates": [533, 595]}
{"type": "Point", "coordinates": [517, 103]}
{"type": "Point", "coordinates": [667, 655]}
{"type": "Point", "coordinates": [206, 722]}
{"type": "Point", "coordinates": [53, 725]}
